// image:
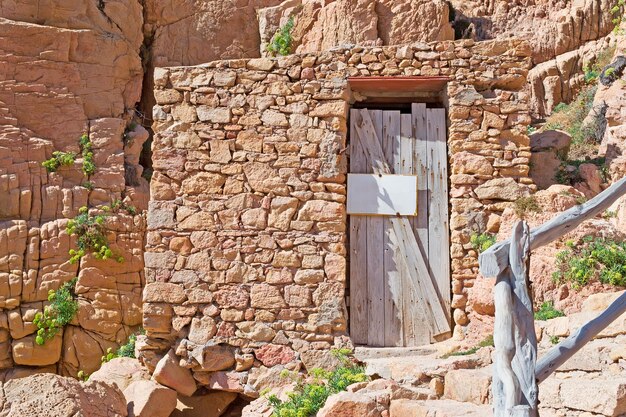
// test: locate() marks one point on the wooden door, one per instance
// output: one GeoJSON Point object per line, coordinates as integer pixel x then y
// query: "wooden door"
{"type": "Point", "coordinates": [400, 265]}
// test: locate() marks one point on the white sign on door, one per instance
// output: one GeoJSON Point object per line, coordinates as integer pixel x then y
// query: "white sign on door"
{"type": "Point", "coordinates": [382, 195]}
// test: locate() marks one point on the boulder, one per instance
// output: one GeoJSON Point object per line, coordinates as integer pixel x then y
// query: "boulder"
{"type": "Point", "coordinates": [169, 373]}
{"type": "Point", "coordinates": [544, 167]}
{"type": "Point", "coordinates": [56, 396]}
{"type": "Point", "coordinates": [456, 386]}
{"type": "Point", "coordinates": [352, 404]}
{"type": "Point", "coordinates": [480, 296]}
{"type": "Point", "coordinates": [121, 372]}
{"type": "Point", "coordinates": [601, 396]}
{"type": "Point", "coordinates": [212, 404]}
{"type": "Point", "coordinates": [447, 408]}
{"type": "Point", "coordinates": [149, 399]}
{"type": "Point", "coordinates": [27, 352]}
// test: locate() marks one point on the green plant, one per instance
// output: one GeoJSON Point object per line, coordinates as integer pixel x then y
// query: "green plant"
{"type": "Point", "coordinates": [547, 311]}
{"type": "Point", "coordinates": [88, 185]}
{"type": "Point", "coordinates": [488, 341]}
{"type": "Point", "coordinates": [82, 375]}
{"type": "Point", "coordinates": [554, 340]}
{"type": "Point", "coordinates": [61, 310]}
{"type": "Point", "coordinates": [310, 395]}
{"type": "Point", "coordinates": [531, 129]}
{"type": "Point", "coordinates": [119, 205]}
{"type": "Point", "coordinates": [127, 350]}
{"type": "Point", "coordinates": [128, 138]}
{"type": "Point", "coordinates": [524, 205]}
{"type": "Point", "coordinates": [58, 160]}
{"type": "Point", "coordinates": [561, 107]}
{"type": "Point", "coordinates": [569, 171]}
{"type": "Point", "coordinates": [591, 74]}
{"type": "Point", "coordinates": [482, 242]}
{"type": "Point", "coordinates": [91, 235]}
{"type": "Point", "coordinates": [280, 44]}
{"type": "Point", "coordinates": [592, 258]}
{"type": "Point", "coordinates": [618, 16]}
{"type": "Point", "coordinates": [609, 214]}
{"type": "Point", "coordinates": [86, 147]}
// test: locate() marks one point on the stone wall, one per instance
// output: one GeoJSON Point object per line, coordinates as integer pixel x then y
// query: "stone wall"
{"type": "Point", "coordinates": [68, 68]}
{"type": "Point", "coordinates": [246, 253]}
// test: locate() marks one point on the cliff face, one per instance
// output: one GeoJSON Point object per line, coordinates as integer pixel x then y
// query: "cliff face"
{"type": "Point", "coordinates": [553, 27]}
{"type": "Point", "coordinates": [68, 68]}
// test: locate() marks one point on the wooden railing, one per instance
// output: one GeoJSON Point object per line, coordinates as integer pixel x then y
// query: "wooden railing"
{"type": "Point", "coordinates": [516, 370]}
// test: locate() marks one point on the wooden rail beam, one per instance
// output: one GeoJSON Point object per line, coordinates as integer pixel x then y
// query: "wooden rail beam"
{"type": "Point", "coordinates": [496, 259]}
{"type": "Point", "coordinates": [569, 346]}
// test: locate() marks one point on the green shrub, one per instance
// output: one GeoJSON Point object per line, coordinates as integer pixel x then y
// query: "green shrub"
{"type": "Point", "coordinates": [61, 310]}
{"type": "Point", "coordinates": [119, 205]}
{"type": "Point", "coordinates": [310, 395]}
{"type": "Point", "coordinates": [547, 312]}
{"type": "Point", "coordinates": [618, 16]}
{"type": "Point", "coordinates": [88, 185]}
{"type": "Point", "coordinates": [86, 147]}
{"type": "Point", "coordinates": [591, 75]}
{"type": "Point", "coordinates": [127, 350]}
{"type": "Point", "coordinates": [128, 139]}
{"type": "Point", "coordinates": [524, 205]}
{"type": "Point", "coordinates": [592, 258]}
{"type": "Point", "coordinates": [91, 235]}
{"type": "Point", "coordinates": [563, 176]}
{"type": "Point", "coordinates": [482, 242]}
{"type": "Point", "coordinates": [554, 340]}
{"type": "Point", "coordinates": [58, 160]}
{"type": "Point", "coordinates": [488, 341]}
{"type": "Point", "coordinates": [280, 44]}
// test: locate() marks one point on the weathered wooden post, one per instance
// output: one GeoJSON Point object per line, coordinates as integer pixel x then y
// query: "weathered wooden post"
{"type": "Point", "coordinates": [516, 374]}
{"type": "Point", "coordinates": [514, 385]}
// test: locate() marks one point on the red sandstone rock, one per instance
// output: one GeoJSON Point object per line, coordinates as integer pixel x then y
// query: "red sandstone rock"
{"type": "Point", "coordinates": [149, 399]}
{"type": "Point", "coordinates": [121, 372]}
{"type": "Point", "coordinates": [57, 396]}
{"type": "Point", "coordinates": [169, 373]}
{"type": "Point", "coordinates": [271, 355]}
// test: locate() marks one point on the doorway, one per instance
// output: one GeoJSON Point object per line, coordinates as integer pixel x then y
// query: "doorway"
{"type": "Point", "coordinates": [399, 260]}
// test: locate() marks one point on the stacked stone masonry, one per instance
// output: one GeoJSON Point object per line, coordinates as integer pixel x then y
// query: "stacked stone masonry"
{"type": "Point", "coordinates": [246, 256]}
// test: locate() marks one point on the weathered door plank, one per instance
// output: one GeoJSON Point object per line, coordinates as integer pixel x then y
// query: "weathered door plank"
{"type": "Point", "coordinates": [418, 332]}
{"type": "Point", "coordinates": [438, 235]}
{"type": "Point", "coordinates": [375, 254]}
{"type": "Point", "coordinates": [391, 144]}
{"type": "Point", "coordinates": [358, 251]}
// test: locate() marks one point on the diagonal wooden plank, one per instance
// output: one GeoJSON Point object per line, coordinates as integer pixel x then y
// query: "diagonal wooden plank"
{"type": "Point", "coordinates": [414, 323]}
{"type": "Point", "coordinates": [358, 251]}
{"type": "Point", "coordinates": [429, 298]}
